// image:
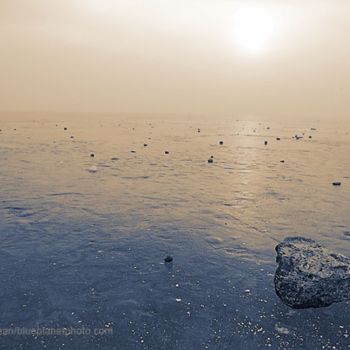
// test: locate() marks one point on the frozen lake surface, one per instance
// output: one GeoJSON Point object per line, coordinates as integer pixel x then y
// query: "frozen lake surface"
{"type": "Point", "coordinates": [83, 239]}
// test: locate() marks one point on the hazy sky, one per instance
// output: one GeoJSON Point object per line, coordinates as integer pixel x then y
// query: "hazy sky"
{"type": "Point", "coordinates": [268, 58]}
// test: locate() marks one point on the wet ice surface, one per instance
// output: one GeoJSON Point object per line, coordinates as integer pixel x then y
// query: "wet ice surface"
{"type": "Point", "coordinates": [84, 237]}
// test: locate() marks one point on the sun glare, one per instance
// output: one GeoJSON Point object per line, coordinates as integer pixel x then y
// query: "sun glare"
{"type": "Point", "coordinates": [253, 29]}
{"type": "Point", "coordinates": [98, 6]}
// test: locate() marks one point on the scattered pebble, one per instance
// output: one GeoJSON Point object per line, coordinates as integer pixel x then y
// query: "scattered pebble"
{"type": "Point", "coordinates": [166, 152]}
{"type": "Point", "coordinates": [265, 143]}
{"type": "Point", "coordinates": [93, 169]}
{"type": "Point", "coordinates": [145, 145]}
{"type": "Point", "coordinates": [168, 259]}
{"type": "Point", "coordinates": [281, 330]}
{"type": "Point", "coordinates": [278, 138]}
{"type": "Point", "coordinates": [210, 160]}
{"type": "Point", "coordinates": [336, 183]}
{"type": "Point", "coordinates": [92, 155]}
{"type": "Point", "coordinates": [221, 143]}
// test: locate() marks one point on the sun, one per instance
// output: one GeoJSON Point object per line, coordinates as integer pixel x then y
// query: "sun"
{"type": "Point", "coordinates": [253, 29]}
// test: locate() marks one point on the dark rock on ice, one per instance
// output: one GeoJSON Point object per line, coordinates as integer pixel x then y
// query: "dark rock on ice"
{"type": "Point", "coordinates": [309, 275]}
{"type": "Point", "coordinates": [168, 259]}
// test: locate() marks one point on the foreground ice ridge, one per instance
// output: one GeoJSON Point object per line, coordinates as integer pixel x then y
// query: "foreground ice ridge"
{"type": "Point", "coordinates": [309, 275]}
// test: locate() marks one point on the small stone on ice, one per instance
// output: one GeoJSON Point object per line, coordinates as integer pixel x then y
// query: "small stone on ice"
{"type": "Point", "coordinates": [93, 169]}
{"type": "Point", "coordinates": [281, 330]}
{"type": "Point", "coordinates": [168, 259]}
